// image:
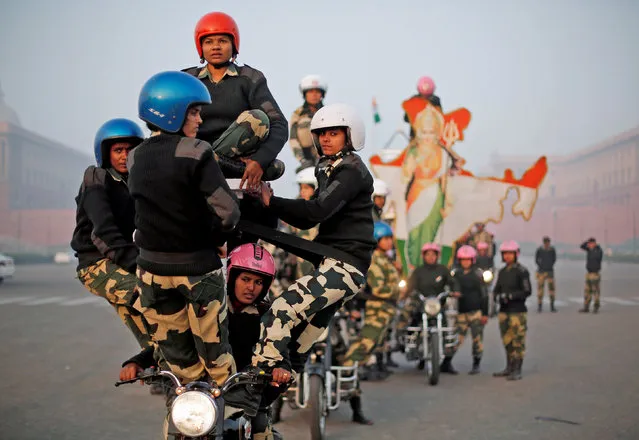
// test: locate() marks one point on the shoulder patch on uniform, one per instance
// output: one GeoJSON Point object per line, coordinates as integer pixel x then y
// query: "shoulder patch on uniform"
{"type": "Point", "coordinates": [94, 176]}
{"type": "Point", "coordinates": [192, 70]}
{"type": "Point", "coordinates": [253, 74]}
{"type": "Point", "coordinates": [191, 148]}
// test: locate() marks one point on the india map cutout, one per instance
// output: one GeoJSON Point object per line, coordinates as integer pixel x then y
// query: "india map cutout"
{"type": "Point", "coordinates": [432, 203]}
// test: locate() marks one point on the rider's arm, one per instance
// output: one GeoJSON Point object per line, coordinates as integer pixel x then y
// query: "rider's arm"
{"type": "Point", "coordinates": [260, 97]}
{"type": "Point", "coordinates": [219, 197]}
{"type": "Point", "coordinates": [537, 257]}
{"type": "Point", "coordinates": [326, 203]}
{"type": "Point", "coordinates": [106, 235]}
{"type": "Point", "coordinates": [497, 289]}
{"type": "Point", "coordinates": [377, 279]}
{"type": "Point", "coordinates": [553, 256]}
{"type": "Point", "coordinates": [452, 282]}
{"type": "Point", "coordinates": [524, 282]}
{"type": "Point", "coordinates": [144, 359]}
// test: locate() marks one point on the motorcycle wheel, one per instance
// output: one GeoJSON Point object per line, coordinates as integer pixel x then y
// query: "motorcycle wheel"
{"type": "Point", "coordinates": [317, 406]}
{"type": "Point", "coordinates": [433, 377]}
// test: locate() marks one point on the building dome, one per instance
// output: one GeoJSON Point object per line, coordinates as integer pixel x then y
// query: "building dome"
{"type": "Point", "coordinates": [7, 114]}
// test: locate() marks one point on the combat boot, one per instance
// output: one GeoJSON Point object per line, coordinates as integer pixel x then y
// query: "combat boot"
{"type": "Point", "coordinates": [381, 366]}
{"type": "Point", "coordinates": [506, 371]}
{"type": "Point", "coordinates": [552, 305]}
{"type": "Point", "coordinates": [586, 309]}
{"type": "Point", "coordinates": [447, 366]}
{"type": "Point", "coordinates": [276, 410]}
{"type": "Point", "coordinates": [515, 374]}
{"type": "Point", "coordinates": [389, 360]}
{"type": "Point", "coordinates": [475, 369]}
{"type": "Point", "coordinates": [595, 308]}
{"type": "Point", "coordinates": [358, 414]}
{"type": "Point", "coordinates": [539, 308]}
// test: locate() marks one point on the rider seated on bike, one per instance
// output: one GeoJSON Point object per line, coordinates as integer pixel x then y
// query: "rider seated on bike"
{"type": "Point", "coordinates": [484, 260]}
{"type": "Point", "coordinates": [250, 272]}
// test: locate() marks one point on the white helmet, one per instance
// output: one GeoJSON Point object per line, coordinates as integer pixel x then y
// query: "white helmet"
{"type": "Point", "coordinates": [307, 177]}
{"type": "Point", "coordinates": [380, 188]}
{"type": "Point", "coordinates": [340, 115]}
{"type": "Point", "coordinates": [310, 82]}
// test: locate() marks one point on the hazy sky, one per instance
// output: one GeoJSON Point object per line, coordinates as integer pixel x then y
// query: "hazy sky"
{"type": "Point", "coordinates": [539, 76]}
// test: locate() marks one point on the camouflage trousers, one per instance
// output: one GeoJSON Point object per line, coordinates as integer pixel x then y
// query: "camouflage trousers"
{"type": "Point", "coordinates": [243, 136]}
{"type": "Point", "coordinates": [109, 281]}
{"type": "Point", "coordinates": [472, 321]}
{"type": "Point", "coordinates": [542, 279]}
{"type": "Point", "coordinates": [411, 304]}
{"type": "Point", "coordinates": [300, 315]}
{"type": "Point", "coordinates": [377, 319]}
{"type": "Point", "coordinates": [592, 288]}
{"type": "Point", "coordinates": [186, 316]}
{"type": "Point", "coordinates": [513, 328]}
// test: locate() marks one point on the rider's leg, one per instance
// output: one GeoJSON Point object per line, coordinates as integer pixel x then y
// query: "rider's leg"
{"type": "Point", "coordinates": [506, 338]}
{"type": "Point", "coordinates": [477, 333]}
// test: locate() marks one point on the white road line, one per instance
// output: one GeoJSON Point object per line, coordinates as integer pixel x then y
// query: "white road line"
{"type": "Point", "coordinates": [49, 300]}
{"type": "Point", "coordinates": [619, 301]}
{"type": "Point", "coordinates": [578, 300]}
{"type": "Point", "coordinates": [15, 299]}
{"type": "Point", "coordinates": [79, 301]}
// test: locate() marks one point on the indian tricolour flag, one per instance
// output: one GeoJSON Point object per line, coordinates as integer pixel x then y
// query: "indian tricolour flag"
{"type": "Point", "coordinates": [376, 118]}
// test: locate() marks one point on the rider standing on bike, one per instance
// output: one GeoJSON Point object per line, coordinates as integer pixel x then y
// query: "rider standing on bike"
{"type": "Point", "coordinates": [103, 235]}
{"type": "Point", "coordinates": [511, 290]}
{"type": "Point", "coordinates": [472, 308]}
{"type": "Point", "coordinates": [184, 211]}
{"type": "Point", "coordinates": [383, 288]}
{"type": "Point", "coordinates": [430, 279]}
{"type": "Point", "coordinates": [342, 208]}
{"type": "Point", "coordinates": [243, 122]}
{"type": "Point", "coordinates": [313, 90]}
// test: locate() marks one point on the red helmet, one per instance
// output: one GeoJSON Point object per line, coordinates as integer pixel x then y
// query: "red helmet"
{"type": "Point", "coordinates": [251, 257]}
{"type": "Point", "coordinates": [217, 23]}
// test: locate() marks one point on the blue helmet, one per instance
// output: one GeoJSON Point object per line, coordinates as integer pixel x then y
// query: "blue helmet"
{"type": "Point", "coordinates": [115, 130]}
{"type": "Point", "coordinates": [166, 97]}
{"type": "Point", "coordinates": [381, 230]}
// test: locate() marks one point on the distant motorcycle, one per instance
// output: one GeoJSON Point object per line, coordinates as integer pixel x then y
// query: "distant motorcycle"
{"type": "Point", "coordinates": [198, 410]}
{"type": "Point", "coordinates": [426, 338]}
{"type": "Point", "coordinates": [488, 276]}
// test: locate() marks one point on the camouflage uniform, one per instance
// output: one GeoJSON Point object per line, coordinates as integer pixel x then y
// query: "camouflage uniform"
{"type": "Point", "coordinates": [109, 281]}
{"type": "Point", "coordinates": [542, 279]}
{"type": "Point", "coordinates": [304, 267]}
{"type": "Point", "coordinates": [310, 302]}
{"type": "Point", "coordinates": [187, 318]}
{"type": "Point", "coordinates": [301, 138]}
{"type": "Point", "coordinates": [244, 135]}
{"type": "Point", "coordinates": [463, 322]}
{"type": "Point", "coordinates": [383, 279]}
{"type": "Point", "coordinates": [592, 289]}
{"type": "Point", "coordinates": [512, 327]}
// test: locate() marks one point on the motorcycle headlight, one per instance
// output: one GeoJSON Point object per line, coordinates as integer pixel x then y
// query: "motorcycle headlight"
{"type": "Point", "coordinates": [194, 413]}
{"type": "Point", "coordinates": [432, 306]}
{"type": "Point", "coordinates": [488, 276]}
{"type": "Point", "coordinates": [402, 284]}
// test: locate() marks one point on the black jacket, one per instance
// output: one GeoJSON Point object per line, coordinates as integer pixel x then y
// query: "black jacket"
{"type": "Point", "coordinates": [545, 259]}
{"type": "Point", "coordinates": [341, 205]}
{"type": "Point", "coordinates": [473, 291]}
{"type": "Point", "coordinates": [485, 262]}
{"type": "Point", "coordinates": [184, 207]}
{"type": "Point", "coordinates": [512, 288]}
{"type": "Point", "coordinates": [430, 280]}
{"type": "Point", "coordinates": [104, 220]}
{"type": "Point", "coordinates": [593, 257]}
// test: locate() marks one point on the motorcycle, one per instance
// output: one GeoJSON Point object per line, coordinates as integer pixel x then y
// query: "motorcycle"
{"type": "Point", "coordinates": [426, 338]}
{"type": "Point", "coordinates": [323, 385]}
{"type": "Point", "coordinates": [197, 411]}
{"type": "Point", "coordinates": [488, 275]}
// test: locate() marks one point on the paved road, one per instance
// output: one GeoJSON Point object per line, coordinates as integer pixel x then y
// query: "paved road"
{"type": "Point", "coordinates": [61, 350]}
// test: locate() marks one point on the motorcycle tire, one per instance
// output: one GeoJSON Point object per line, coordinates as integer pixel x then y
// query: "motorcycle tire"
{"type": "Point", "coordinates": [433, 377]}
{"type": "Point", "coordinates": [317, 405]}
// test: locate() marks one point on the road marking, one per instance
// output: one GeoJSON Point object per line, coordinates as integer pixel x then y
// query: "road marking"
{"type": "Point", "coordinates": [576, 299]}
{"type": "Point", "coordinates": [619, 301]}
{"type": "Point", "coordinates": [79, 301]}
{"type": "Point", "coordinates": [41, 301]}
{"type": "Point", "coordinates": [15, 299]}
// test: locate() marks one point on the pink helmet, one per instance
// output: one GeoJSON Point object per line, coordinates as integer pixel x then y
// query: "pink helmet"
{"type": "Point", "coordinates": [509, 246]}
{"type": "Point", "coordinates": [482, 246]}
{"type": "Point", "coordinates": [251, 257]}
{"type": "Point", "coordinates": [431, 247]}
{"type": "Point", "coordinates": [466, 253]}
{"type": "Point", "coordinates": [426, 86]}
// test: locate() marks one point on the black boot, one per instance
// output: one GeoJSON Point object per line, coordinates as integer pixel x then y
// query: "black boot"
{"type": "Point", "coordinates": [358, 415]}
{"type": "Point", "coordinates": [515, 374]}
{"type": "Point", "coordinates": [552, 305]}
{"type": "Point", "coordinates": [539, 308]}
{"type": "Point", "coordinates": [506, 371]}
{"type": "Point", "coordinates": [586, 309]}
{"type": "Point", "coordinates": [596, 309]}
{"type": "Point", "coordinates": [389, 360]}
{"type": "Point", "coordinates": [475, 370]}
{"type": "Point", "coordinates": [447, 366]}
{"type": "Point", "coordinates": [276, 410]}
{"type": "Point", "coordinates": [381, 366]}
